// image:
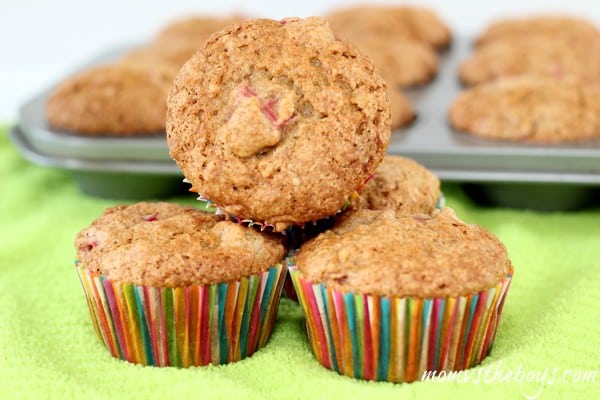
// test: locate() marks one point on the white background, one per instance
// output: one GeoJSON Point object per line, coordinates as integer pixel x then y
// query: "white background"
{"type": "Point", "coordinates": [42, 41]}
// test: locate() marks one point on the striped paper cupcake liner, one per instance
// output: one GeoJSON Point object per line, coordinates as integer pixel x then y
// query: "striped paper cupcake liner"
{"type": "Point", "coordinates": [289, 290]}
{"type": "Point", "coordinates": [185, 326]}
{"type": "Point", "coordinates": [398, 339]}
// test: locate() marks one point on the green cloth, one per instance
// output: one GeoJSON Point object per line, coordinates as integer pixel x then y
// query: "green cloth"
{"type": "Point", "coordinates": [48, 348]}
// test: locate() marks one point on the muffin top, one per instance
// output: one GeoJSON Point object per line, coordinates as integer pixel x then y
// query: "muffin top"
{"type": "Point", "coordinates": [424, 256]}
{"type": "Point", "coordinates": [528, 109]}
{"type": "Point", "coordinates": [168, 245]}
{"type": "Point", "coordinates": [119, 99]}
{"type": "Point", "coordinates": [277, 121]}
{"type": "Point", "coordinates": [180, 39]}
{"type": "Point", "coordinates": [391, 23]}
{"type": "Point", "coordinates": [534, 55]}
{"type": "Point", "coordinates": [552, 27]}
{"type": "Point", "coordinates": [402, 111]}
{"type": "Point", "coordinates": [402, 185]}
{"type": "Point", "coordinates": [402, 62]}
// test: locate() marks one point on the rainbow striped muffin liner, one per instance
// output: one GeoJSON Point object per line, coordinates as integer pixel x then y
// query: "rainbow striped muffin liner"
{"type": "Point", "coordinates": [184, 326]}
{"type": "Point", "coordinates": [398, 339]}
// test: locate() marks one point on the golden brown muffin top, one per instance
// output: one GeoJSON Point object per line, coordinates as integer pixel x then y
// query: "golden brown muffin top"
{"type": "Point", "coordinates": [402, 111]}
{"type": "Point", "coordinates": [180, 39]}
{"type": "Point", "coordinates": [424, 256]}
{"type": "Point", "coordinates": [573, 29]}
{"type": "Point", "coordinates": [528, 109]}
{"type": "Point", "coordinates": [402, 185]}
{"type": "Point", "coordinates": [168, 245]}
{"type": "Point", "coordinates": [277, 121]}
{"type": "Point", "coordinates": [535, 55]}
{"type": "Point", "coordinates": [118, 100]}
{"type": "Point", "coordinates": [402, 62]}
{"type": "Point", "coordinates": [146, 58]}
{"type": "Point", "coordinates": [391, 23]}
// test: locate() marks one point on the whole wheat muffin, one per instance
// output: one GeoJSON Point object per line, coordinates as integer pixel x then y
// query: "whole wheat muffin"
{"type": "Point", "coordinates": [168, 245]}
{"type": "Point", "coordinates": [572, 29]}
{"type": "Point", "coordinates": [179, 40]}
{"type": "Point", "coordinates": [168, 285]}
{"type": "Point", "coordinates": [401, 109]}
{"type": "Point", "coordinates": [535, 55]}
{"type": "Point", "coordinates": [118, 100]}
{"type": "Point", "coordinates": [423, 256]}
{"type": "Point", "coordinates": [278, 121]}
{"type": "Point", "coordinates": [401, 62]}
{"type": "Point", "coordinates": [389, 298]}
{"type": "Point", "coordinates": [402, 185]}
{"type": "Point", "coordinates": [391, 23]}
{"type": "Point", "coordinates": [146, 58]}
{"type": "Point", "coordinates": [528, 109]}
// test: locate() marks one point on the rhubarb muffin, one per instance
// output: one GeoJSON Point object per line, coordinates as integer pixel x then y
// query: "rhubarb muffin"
{"type": "Point", "coordinates": [278, 122]}
{"type": "Point", "coordinates": [528, 109]}
{"type": "Point", "coordinates": [402, 185]}
{"type": "Point", "coordinates": [387, 298]}
{"type": "Point", "coordinates": [168, 285]}
{"type": "Point", "coordinates": [562, 27]}
{"type": "Point", "coordinates": [534, 55]}
{"type": "Point", "coordinates": [391, 23]}
{"type": "Point", "coordinates": [122, 99]}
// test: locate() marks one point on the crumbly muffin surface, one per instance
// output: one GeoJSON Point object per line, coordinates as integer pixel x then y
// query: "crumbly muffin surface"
{"type": "Point", "coordinates": [168, 245]}
{"type": "Point", "coordinates": [375, 253]}
{"type": "Point", "coordinates": [118, 100]}
{"type": "Point", "coordinates": [528, 109]}
{"type": "Point", "coordinates": [277, 121]}
{"type": "Point", "coordinates": [402, 185]}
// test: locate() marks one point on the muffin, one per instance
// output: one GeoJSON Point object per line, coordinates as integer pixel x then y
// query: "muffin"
{"type": "Point", "coordinates": [123, 99]}
{"type": "Point", "coordinates": [401, 62]}
{"type": "Point", "coordinates": [168, 285]}
{"type": "Point", "coordinates": [278, 122]}
{"type": "Point", "coordinates": [402, 185]}
{"type": "Point", "coordinates": [534, 55]}
{"type": "Point", "coordinates": [391, 23]}
{"type": "Point", "coordinates": [180, 39]}
{"type": "Point", "coordinates": [528, 109]}
{"type": "Point", "coordinates": [387, 298]}
{"type": "Point", "coordinates": [402, 111]}
{"type": "Point", "coordinates": [553, 27]}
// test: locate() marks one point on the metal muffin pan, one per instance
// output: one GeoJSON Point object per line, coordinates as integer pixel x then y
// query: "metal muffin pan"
{"type": "Point", "coordinates": [545, 177]}
{"type": "Point", "coordinates": [121, 179]}
{"type": "Point", "coordinates": [514, 174]}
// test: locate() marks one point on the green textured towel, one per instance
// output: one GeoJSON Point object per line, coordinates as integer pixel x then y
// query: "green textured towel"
{"type": "Point", "coordinates": [48, 348]}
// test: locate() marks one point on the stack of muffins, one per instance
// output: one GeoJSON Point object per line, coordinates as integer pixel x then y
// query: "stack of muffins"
{"type": "Point", "coordinates": [280, 125]}
{"type": "Point", "coordinates": [402, 41]}
{"type": "Point", "coordinates": [534, 79]}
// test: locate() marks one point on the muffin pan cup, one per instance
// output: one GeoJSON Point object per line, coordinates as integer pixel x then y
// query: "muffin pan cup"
{"type": "Point", "coordinates": [398, 339]}
{"type": "Point", "coordinates": [184, 326]}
